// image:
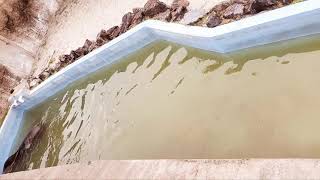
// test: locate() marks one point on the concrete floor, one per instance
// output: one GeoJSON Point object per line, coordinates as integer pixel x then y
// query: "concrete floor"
{"type": "Point", "coordinates": [180, 169]}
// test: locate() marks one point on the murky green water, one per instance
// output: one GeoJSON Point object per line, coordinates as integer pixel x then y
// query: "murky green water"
{"type": "Point", "coordinates": [174, 102]}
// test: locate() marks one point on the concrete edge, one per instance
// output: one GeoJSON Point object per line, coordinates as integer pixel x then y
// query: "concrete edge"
{"type": "Point", "coordinates": [180, 169]}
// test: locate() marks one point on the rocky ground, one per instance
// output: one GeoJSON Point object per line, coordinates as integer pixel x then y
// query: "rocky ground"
{"type": "Point", "coordinates": [153, 9]}
{"type": "Point", "coordinates": [234, 10]}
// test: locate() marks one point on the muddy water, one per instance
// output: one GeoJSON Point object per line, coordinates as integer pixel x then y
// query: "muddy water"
{"type": "Point", "coordinates": [169, 101]}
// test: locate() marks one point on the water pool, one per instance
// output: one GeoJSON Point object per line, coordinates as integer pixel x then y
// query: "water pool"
{"type": "Point", "coordinates": [168, 101]}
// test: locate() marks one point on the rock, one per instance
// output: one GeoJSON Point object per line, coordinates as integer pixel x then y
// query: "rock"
{"type": "Point", "coordinates": [99, 43]}
{"type": "Point", "coordinates": [85, 48]}
{"type": "Point", "coordinates": [164, 16]}
{"type": "Point", "coordinates": [102, 38]}
{"type": "Point", "coordinates": [179, 3]}
{"type": "Point", "coordinates": [76, 54]}
{"type": "Point", "coordinates": [214, 20]}
{"type": "Point", "coordinates": [93, 46]}
{"type": "Point", "coordinates": [44, 75]}
{"type": "Point", "coordinates": [248, 7]}
{"type": "Point", "coordinates": [154, 7]}
{"type": "Point", "coordinates": [261, 5]}
{"type": "Point", "coordinates": [103, 35]}
{"type": "Point", "coordinates": [178, 9]}
{"type": "Point", "coordinates": [286, 2]}
{"type": "Point", "coordinates": [66, 58]}
{"type": "Point", "coordinates": [113, 32]}
{"type": "Point", "coordinates": [126, 22]}
{"type": "Point", "coordinates": [50, 70]}
{"type": "Point", "coordinates": [136, 10]}
{"type": "Point", "coordinates": [138, 17]}
{"type": "Point", "coordinates": [234, 10]}
{"type": "Point", "coordinates": [34, 82]}
{"type": "Point", "coordinates": [178, 13]}
{"type": "Point", "coordinates": [55, 65]}
{"type": "Point", "coordinates": [241, 1]}
{"type": "Point", "coordinates": [221, 7]}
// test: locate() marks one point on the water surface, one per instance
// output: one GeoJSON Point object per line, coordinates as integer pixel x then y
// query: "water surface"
{"type": "Point", "coordinates": [173, 102]}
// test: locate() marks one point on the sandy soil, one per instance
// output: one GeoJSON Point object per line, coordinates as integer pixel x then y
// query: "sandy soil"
{"type": "Point", "coordinates": [83, 19]}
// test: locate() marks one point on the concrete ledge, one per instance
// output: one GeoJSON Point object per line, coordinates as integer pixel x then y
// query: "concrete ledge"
{"type": "Point", "coordinates": [180, 169]}
{"type": "Point", "coordinates": [290, 22]}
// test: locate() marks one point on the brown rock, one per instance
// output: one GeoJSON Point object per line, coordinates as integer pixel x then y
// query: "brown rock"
{"type": "Point", "coordinates": [126, 22]}
{"type": "Point", "coordinates": [44, 75]}
{"type": "Point", "coordinates": [102, 38]}
{"type": "Point", "coordinates": [103, 35]}
{"type": "Point", "coordinates": [178, 9]}
{"type": "Point", "coordinates": [248, 7]}
{"type": "Point", "coordinates": [67, 57]}
{"type": "Point", "coordinates": [99, 42]}
{"type": "Point", "coordinates": [136, 10]}
{"type": "Point", "coordinates": [113, 32]}
{"type": "Point", "coordinates": [214, 20]}
{"type": "Point", "coordinates": [179, 3]}
{"type": "Point", "coordinates": [241, 1]}
{"type": "Point", "coordinates": [154, 7]}
{"type": "Point", "coordinates": [178, 13]}
{"type": "Point", "coordinates": [50, 70]}
{"type": "Point", "coordinates": [287, 1]}
{"type": "Point", "coordinates": [85, 48]}
{"type": "Point", "coordinates": [76, 54]}
{"type": "Point", "coordinates": [164, 16]}
{"type": "Point", "coordinates": [221, 7]}
{"type": "Point", "coordinates": [138, 17]}
{"type": "Point", "coordinates": [234, 10]}
{"type": "Point", "coordinates": [55, 65]}
{"type": "Point", "coordinates": [94, 46]}
{"type": "Point", "coordinates": [261, 5]}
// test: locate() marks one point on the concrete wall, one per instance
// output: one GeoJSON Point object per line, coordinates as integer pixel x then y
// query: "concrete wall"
{"type": "Point", "coordinates": [180, 169]}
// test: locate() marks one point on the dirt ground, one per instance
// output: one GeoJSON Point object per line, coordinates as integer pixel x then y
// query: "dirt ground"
{"type": "Point", "coordinates": [79, 20]}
